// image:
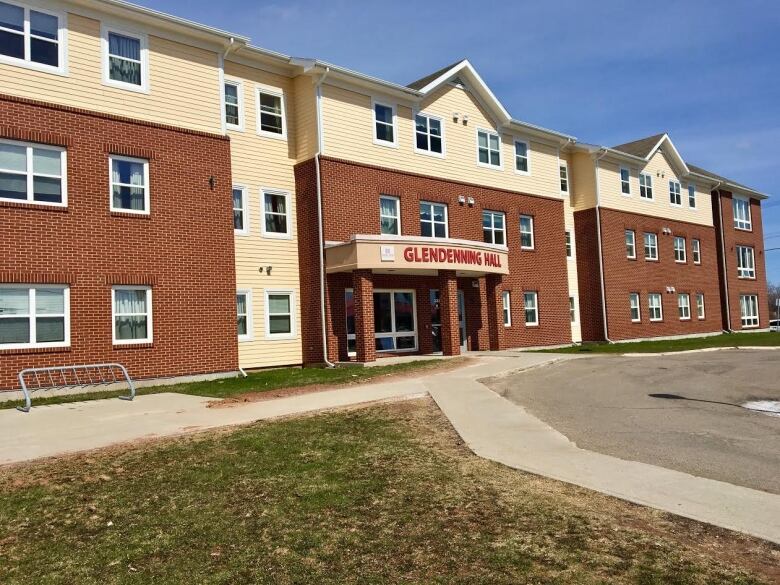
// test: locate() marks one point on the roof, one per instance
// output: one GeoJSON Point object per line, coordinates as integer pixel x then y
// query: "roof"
{"type": "Point", "coordinates": [727, 182]}
{"type": "Point", "coordinates": [641, 148]}
{"type": "Point", "coordinates": [423, 81]}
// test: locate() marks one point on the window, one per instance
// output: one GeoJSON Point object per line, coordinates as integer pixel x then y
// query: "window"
{"type": "Point", "coordinates": [531, 308]}
{"type": "Point", "coordinates": [276, 212]}
{"type": "Point", "coordinates": [349, 312]}
{"type": "Point", "coordinates": [395, 322]}
{"type": "Point", "coordinates": [428, 134]}
{"type": "Point", "coordinates": [33, 173]}
{"type": "Point", "coordinates": [389, 216]}
{"type": "Point", "coordinates": [675, 198]}
{"type": "Point", "coordinates": [240, 223]}
{"type": "Point", "coordinates": [489, 148]}
{"type": "Point", "coordinates": [630, 244]}
{"type": "Point", "coordinates": [564, 172]}
{"type": "Point", "coordinates": [691, 196]}
{"type": "Point", "coordinates": [572, 309]}
{"type": "Point", "coordinates": [384, 124]}
{"type": "Point", "coordinates": [684, 306]}
{"type": "Point", "coordinates": [748, 306]}
{"type": "Point", "coordinates": [433, 220]}
{"type": "Point", "coordinates": [526, 232]}
{"type": "Point", "coordinates": [645, 186]}
{"type": "Point", "coordinates": [654, 307]}
{"type": "Point", "coordinates": [651, 246]}
{"type": "Point", "coordinates": [746, 266]}
{"type": "Point", "coordinates": [569, 250]}
{"type": "Point", "coordinates": [233, 106]}
{"type": "Point", "coordinates": [493, 227]}
{"type": "Point", "coordinates": [696, 251]}
{"type": "Point", "coordinates": [700, 305]}
{"type": "Point", "coordinates": [522, 162]}
{"type": "Point", "coordinates": [741, 208]}
{"type": "Point", "coordinates": [633, 303]}
{"type": "Point", "coordinates": [679, 249]}
{"type": "Point", "coordinates": [625, 181]}
{"type": "Point", "coordinates": [129, 184]}
{"type": "Point", "coordinates": [270, 114]}
{"type": "Point", "coordinates": [507, 308]}
{"type": "Point", "coordinates": [34, 316]}
{"type": "Point", "coordinates": [31, 38]}
{"type": "Point", "coordinates": [125, 61]}
{"type": "Point", "coordinates": [131, 307]}
{"type": "Point", "coordinates": [279, 318]}
{"type": "Point", "coordinates": [244, 314]}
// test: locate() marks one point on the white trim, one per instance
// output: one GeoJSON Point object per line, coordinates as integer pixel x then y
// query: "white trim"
{"type": "Point", "coordinates": [650, 307]}
{"type": "Point", "coordinates": [506, 307]}
{"type": "Point", "coordinates": [30, 174]}
{"type": "Point", "coordinates": [240, 96]}
{"type": "Point", "coordinates": [631, 298]}
{"type": "Point", "coordinates": [627, 182]}
{"type": "Point", "coordinates": [654, 247]}
{"type": "Point", "coordinates": [292, 334]}
{"type": "Point", "coordinates": [421, 240]}
{"type": "Point", "coordinates": [350, 336]}
{"type": "Point", "coordinates": [443, 153]}
{"type": "Point", "coordinates": [700, 314]}
{"type": "Point", "coordinates": [527, 155]}
{"type": "Point", "coordinates": [696, 251]}
{"type": "Point", "coordinates": [748, 271]}
{"type": "Point", "coordinates": [273, 91]}
{"type": "Point", "coordinates": [487, 165]}
{"type": "Point", "coordinates": [692, 186]}
{"type": "Point", "coordinates": [533, 236]}
{"type": "Point", "coordinates": [562, 164]}
{"type": "Point", "coordinates": [390, 144]}
{"type": "Point", "coordinates": [745, 225]}
{"type": "Point", "coordinates": [396, 217]}
{"type": "Point", "coordinates": [288, 213]}
{"type": "Point", "coordinates": [395, 334]}
{"type": "Point", "coordinates": [684, 250]}
{"type": "Point", "coordinates": [535, 308]}
{"type": "Point", "coordinates": [249, 336]}
{"type": "Point", "coordinates": [675, 189]}
{"type": "Point", "coordinates": [143, 39]}
{"type": "Point", "coordinates": [570, 255]}
{"type": "Point", "coordinates": [434, 223]}
{"type": "Point", "coordinates": [149, 330]}
{"type": "Point", "coordinates": [633, 244]}
{"type": "Point", "coordinates": [649, 186]}
{"type": "Point", "coordinates": [244, 210]}
{"type": "Point", "coordinates": [62, 41]}
{"type": "Point", "coordinates": [749, 316]}
{"type": "Point", "coordinates": [147, 199]}
{"type": "Point", "coordinates": [686, 305]}
{"type": "Point", "coordinates": [573, 308]}
{"type": "Point", "coordinates": [493, 229]}
{"type": "Point", "coordinates": [32, 316]}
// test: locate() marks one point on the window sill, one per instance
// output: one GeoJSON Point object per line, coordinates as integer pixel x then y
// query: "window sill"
{"type": "Point", "coordinates": [739, 229]}
{"type": "Point", "coordinates": [272, 135]}
{"type": "Point", "coordinates": [24, 64]}
{"type": "Point", "coordinates": [126, 86]}
{"type": "Point", "coordinates": [491, 167]}
{"type": "Point", "coordinates": [746, 277]}
{"type": "Point", "coordinates": [651, 259]}
{"type": "Point", "coordinates": [32, 350]}
{"type": "Point", "coordinates": [130, 214]}
{"type": "Point", "coordinates": [275, 236]}
{"type": "Point", "coordinates": [141, 345]}
{"type": "Point", "coordinates": [23, 204]}
{"type": "Point", "coordinates": [429, 153]}
{"type": "Point", "coordinates": [631, 258]}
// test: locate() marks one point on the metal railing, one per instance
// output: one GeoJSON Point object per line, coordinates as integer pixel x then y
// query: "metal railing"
{"type": "Point", "coordinates": [61, 377]}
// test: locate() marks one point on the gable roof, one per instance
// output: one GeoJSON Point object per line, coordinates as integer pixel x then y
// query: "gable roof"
{"type": "Point", "coordinates": [423, 81]}
{"type": "Point", "coordinates": [642, 147]}
{"type": "Point", "coordinates": [726, 182]}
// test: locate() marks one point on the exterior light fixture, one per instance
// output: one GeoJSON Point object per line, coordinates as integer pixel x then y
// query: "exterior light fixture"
{"type": "Point", "coordinates": [462, 199]}
{"type": "Point", "coordinates": [471, 202]}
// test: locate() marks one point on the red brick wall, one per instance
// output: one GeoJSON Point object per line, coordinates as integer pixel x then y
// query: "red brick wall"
{"type": "Point", "coordinates": [183, 249]}
{"type": "Point", "coordinates": [733, 237]}
{"type": "Point", "coordinates": [588, 275]}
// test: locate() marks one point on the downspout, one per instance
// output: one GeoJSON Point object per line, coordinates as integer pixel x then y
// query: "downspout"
{"type": "Point", "coordinates": [716, 190]}
{"type": "Point", "coordinates": [601, 155]}
{"type": "Point", "coordinates": [320, 227]}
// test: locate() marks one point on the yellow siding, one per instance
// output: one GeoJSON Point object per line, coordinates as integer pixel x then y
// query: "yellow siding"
{"type": "Point", "coordinates": [582, 169]}
{"type": "Point", "coordinates": [662, 172]}
{"type": "Point", "coordinates": [348, 134]}
{"type": "Point", "coordinates": [571, 264]}
{"type": "Point", "coordinates": [183, 81]}
{"type": "Point", "coordinates": [262, 162]}
{"type": "Point", "coordinates": [305, 117]}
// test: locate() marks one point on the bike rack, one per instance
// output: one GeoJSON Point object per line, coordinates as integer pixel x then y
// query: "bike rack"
{"type": "Point", "coordinates": [62, 377]}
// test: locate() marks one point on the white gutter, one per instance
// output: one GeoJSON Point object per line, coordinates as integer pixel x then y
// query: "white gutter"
{"type": "Point", "coordinates": [601, 155]}
{"type": "Point", "coordinates": [716, 190]}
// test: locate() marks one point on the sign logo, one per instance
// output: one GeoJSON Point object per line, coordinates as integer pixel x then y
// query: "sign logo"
{"type": "Point", "coordinates": [387, 253]}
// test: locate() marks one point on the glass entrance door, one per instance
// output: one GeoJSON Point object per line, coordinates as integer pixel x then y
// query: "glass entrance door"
{"type": "Point", "coordinates": [395, 323]}
{"type": "Point", "coordinates": [436, 320]}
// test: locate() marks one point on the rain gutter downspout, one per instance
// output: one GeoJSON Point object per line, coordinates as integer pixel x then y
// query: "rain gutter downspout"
{"type": "Point", "coordinates": [602, 154]}
{"type": "Point", "coordinates": [716, 190]}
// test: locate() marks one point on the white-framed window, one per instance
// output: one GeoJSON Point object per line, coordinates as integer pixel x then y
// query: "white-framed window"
{"type": "Point", "coordinates": [270, 113]}
{"type": "Point", "coordinates": [129, 188]}
{"type": "Point", "coordinates": [279, 314]}
{"type": "Point", "coordinates": [131, 312]}
{"type": "Point", "coordinates": [506, 307]}
{"type": "Point", "coordinates": [691, 195]}
{"type": "Point", "coordinates": [573, 309]}
{"type": "Point", "coordinates": [32, 38]}
{"type": "Point", "coordinates": [522, 157]}
{"type": "Point", "coordinates": [625, 181]}
{"type": "Point", "coordinates": [233, 105]}
{"type": "Point", "coordinates": [526, 232]}
{"type": "Point", "coordinates": [748, 307]}
{"type": "Point", "coordinates": [563, 170]}
{"type": "Point", "coordinates": [696, 250]}
{"type": "Point", "coordinates": [395, 320]}
{"type": "Point", "coordinates": [679, 249]}
{"type": "Point", "coordinates": [488, 149]}
{"type": "Point", "coordinates": [493, 227]}
{"type": "Point", "coordinates": [646, 186]}
{"type": "Point", "coordinates": [428, 134]}
{"type": "Point", "coordinates": [433, 220]}
{"type": "Point", "coordinates": [531, 306]}
{"type": "Point", "coordinates": [630, 244]}
{"type": "Point", "coordinates": [276, 213]}
{"type": "Point", "coordinates": [655, 307]}
{"type": "Point", "coordinates": [633, 304]}
{"type": "Point", "coordinates": [33, 173]}
{"type": "Point", "coordinates": [125, 59]}
{"type": "Point", "coordinates": [349, 313]}
{"type": "Point", "coordinates": [651, 246]}
{"type": "Point", "coordinates": [244, 315]}
{"type": "Point", "coordinates": [34, 316]}
{"type": "Point", "coordinates": [700, 305]}
{"type": "Point", "coordinates": [741, 208]}
{"type": "Point", "coordinates": [746, 264]}
{"type": "Point", "coordinates": [569, 245]}
{"type": "Point", "coordinates": [389, 215]}
{"type": "Point", "coordinates": [684, 306]}
{"type": "Point", "coordinates": [675, 196]}
{"type": "Point", "coordinates": [240, 211]}
{"type": "Point", "coordinates": [384, 124]}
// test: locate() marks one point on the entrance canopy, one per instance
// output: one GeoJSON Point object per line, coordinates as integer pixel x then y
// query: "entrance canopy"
{"type": "Point", "coordinates": [414, 255]}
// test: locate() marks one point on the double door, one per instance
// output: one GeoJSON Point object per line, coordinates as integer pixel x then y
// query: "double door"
{"type": "Point", "coordinates": [436, 320]}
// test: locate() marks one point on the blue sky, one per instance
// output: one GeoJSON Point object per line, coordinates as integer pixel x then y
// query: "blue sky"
{"type": "Point", "coordinates": [607, 72]}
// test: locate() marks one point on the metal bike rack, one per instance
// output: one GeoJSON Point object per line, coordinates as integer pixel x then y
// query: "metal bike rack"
{"type": "Point", "coordinates": [62, 377]}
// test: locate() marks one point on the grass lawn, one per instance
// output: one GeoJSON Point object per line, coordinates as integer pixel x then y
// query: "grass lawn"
{"type": "Point", "coordinates": [763, 339]}
{"type": "Point", "coordinates": [262, 381]}
{"type": "Point", "coordinates": [386, 494]}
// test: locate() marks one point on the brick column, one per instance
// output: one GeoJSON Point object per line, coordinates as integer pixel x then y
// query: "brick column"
{"type": "Point", "coordinates": [448, 302]}
{"type": "Point", "coordinates": [363, 286]}
{"type": "Point", "coordinates": [495, 310]}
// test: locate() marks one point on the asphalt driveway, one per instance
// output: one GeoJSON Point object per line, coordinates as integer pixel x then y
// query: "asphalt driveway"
{"type": "Point", "coordinates": [605, 404]}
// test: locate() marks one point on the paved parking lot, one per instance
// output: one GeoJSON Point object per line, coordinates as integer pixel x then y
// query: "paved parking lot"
{"type": "Point", "coordinates": [605, 404]}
